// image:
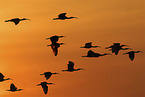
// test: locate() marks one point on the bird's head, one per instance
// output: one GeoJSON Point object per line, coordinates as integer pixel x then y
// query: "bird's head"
{"type": "Point", "coordinates": [96, 46]}
{"type": "Point", "coordinates": [26, 19]}
{"type": "Point", "coordinates": [50, 83]}
{"type": "Point", "coordinates": [61, 43]}
{"type": "Point", "coordinates": [139, 52]}
{"type": "Point", "coordinates": [124, 45]}
{"type": "Point", "coordinates": [73, 17]}
{"type": "Point", "coordinates": [49, 45]}
{"type": "Point", "coordinates": [80, 69]}
{"type": "Point", "coordinates": [61, 36]}
{"type": "Point", "coordinates": [42, 74]}
{"type": "Point", "coordinates": [55, 73]}
{"type": "Point", "coordinates": [126, 49]}
{"type": "Point", "coordinates": [107, 54]}
{"type": "Point", "coordinates": [20, 89]}
{"type": "Point", "coordinates": [116, 43]}
{"type": "Point", "coordinates": [8, 79]}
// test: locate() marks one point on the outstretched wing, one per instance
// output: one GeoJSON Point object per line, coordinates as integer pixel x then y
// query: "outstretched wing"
{"type": "Point", "coordinates": [45, 88]}
{"type": "Point", "coordinates": [47, 75]}
{"type": "Point", "coordinates": [88, 44]}
{"type": "Point", "coordinates": [131, 56]}
{"type": "Point", "coordinates": [62, 15]}
{"type": "Point", "coordinates": [13, 87]}
{"type": "Point", "coordinates": [1, 76]}
{"type": "Point", "coordinates": [90, 53]}
{"type": "Point", "coordinates": [71, 65]}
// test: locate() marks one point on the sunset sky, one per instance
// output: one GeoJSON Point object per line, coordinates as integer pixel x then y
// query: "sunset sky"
{"type": "Point", "coordinates": [24, 54]}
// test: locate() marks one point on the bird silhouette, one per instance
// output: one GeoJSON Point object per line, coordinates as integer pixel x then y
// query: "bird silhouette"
{"type": "Point", "coordinates": [48, 74]}
{"type": "Point", "coordinates": [54, 38]}
{"type": "Point", "coordinates": [116, 47]}
{"type": "Point", "coordinates": [44, 86]}
{"type": "Point", "coordinates": [89, 45]}
{"type": "Point", "coordinates": [70, 67]}
{"type": "Point", "coordinates": [13, 88]}
{"type": "Point", "coordinates": [132, 54]}
{"type": "Point", "coordinates": [90, 53]}
{"type": "Point", "coordinates": [54, 47]}
{"type": "Point", "coordinates": [2, 78]}
{"type": "Point", "coordinates": [16, 20]}
{"type": "Point", "coordinates": [62, 16]}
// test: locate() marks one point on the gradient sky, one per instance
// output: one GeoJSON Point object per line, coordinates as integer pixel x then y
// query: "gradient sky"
{"type": "Point", "coordinates": [24, 55]}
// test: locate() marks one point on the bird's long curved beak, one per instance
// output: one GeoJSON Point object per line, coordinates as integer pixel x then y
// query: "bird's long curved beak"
{"type": "Point", "coordinates": [48, 45]}
{"type": "Point", "coordinates": [62, 43]}
{"type": "Point", "coordinates": [55, 73]}
{"type": "Point", "coordinates": [106, 47]}
{"type": "Point", "coordinates": [50, 83]}
{"type": "Point", "coordinates": [47, 38]}
{"type": "Point", "coordinates": [38, 84]}
{"type": "Point", "coordinates": [28, 19]}
{"type": "Point", "coordinates": [61, 36]}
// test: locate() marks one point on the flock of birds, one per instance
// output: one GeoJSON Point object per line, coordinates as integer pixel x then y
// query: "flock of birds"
{"type": "Point", "coordinates": [115, 48]}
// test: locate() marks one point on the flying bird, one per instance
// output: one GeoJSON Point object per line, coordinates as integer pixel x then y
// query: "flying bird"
{"type": "Point", "coordinates": [63, 16]}
{"type": "Point", "coordinates": [2, 78]}
{"type": "Point", "coordinates": [13, 88]}
{"type": "Point", "coordinates": [90, 53]}
{"type": "Point", "coordinates": [89, 45]}
{"type": "Point", "coordinates": [54, 47]}
{"type": "Point", "coordinates": [44, 86]}
{"type": "Point", "coordinates": [132, 54]}
{"type": "Point", "coordinates": [116, 47]}
{"type": "Point", "coordinates": [16, 20]}
{"type": "Point", "coordinates": [70, 67]}
{"type": "Point", "coordinates": [54, 38]}
{"type": "Point", "coordinates": [48, 74]}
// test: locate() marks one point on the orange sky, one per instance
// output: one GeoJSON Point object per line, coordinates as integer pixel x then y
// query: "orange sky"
{"type": "Point", "coordinates": [24, 55]}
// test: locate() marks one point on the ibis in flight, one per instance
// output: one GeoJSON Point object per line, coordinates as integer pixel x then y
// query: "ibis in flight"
{"type": "Point", "coordinates": [48, 74]}
{"type": "Point", "coordinates": [13, 88]}
{"type": "Point", "coordinates": [2, 78]}
{"type": "Point", "coordinates": [16, 20]}
{"type": "Point", "coordinates": [44, 86]}
{"type": "Point", "coordinates": [132, 54]}
{"type": "Point", "coordinates": [63, 16]}
{"type": "Point", "coordinates": [54, 47]}
{"type": "Point", "coordinates": [89, 45]}
{"type": "Point", "coordinates": [116, 47]}
{"type": "Point", "coordinates": [70, 67]}
{"type": "Point", "coordinates": [54, 38]}
{"type": "Point", "coordinates": [91, 53]}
